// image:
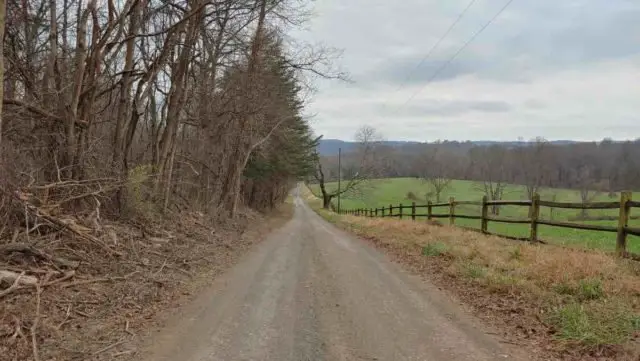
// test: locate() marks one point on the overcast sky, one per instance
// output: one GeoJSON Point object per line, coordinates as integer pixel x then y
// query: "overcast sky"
{"type": "Point", "coordinates": [562, 69]}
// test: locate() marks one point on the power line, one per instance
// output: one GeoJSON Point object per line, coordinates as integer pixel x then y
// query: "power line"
{"type": "Point", "coordinates": [435, 46]}
{"type": "Point", "coordinates": [455, 55]}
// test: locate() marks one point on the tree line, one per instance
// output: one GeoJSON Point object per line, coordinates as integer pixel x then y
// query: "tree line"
{"type": "Point", "coordinates": [199, 103]}
{"type": "Point", "coordinates": [589, 167]}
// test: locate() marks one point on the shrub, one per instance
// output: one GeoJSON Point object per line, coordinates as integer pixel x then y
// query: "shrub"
{"type": "Point", "coordinates": [137, 191]}
{"type": "Point", "coordinates": [515, 254]}
{"type": "Point", "coordinates": [412, 196]}
{"type": "Point", "coordinates": [598, 324]}
{"type": "Point", "coordinates": [590, 289]}
{"type": "Point", "coordinates": [473, 270]}
{"type": "Point", "coordinates": [434, 249]}
{"type": "Point", "coordinates": [585, 290]}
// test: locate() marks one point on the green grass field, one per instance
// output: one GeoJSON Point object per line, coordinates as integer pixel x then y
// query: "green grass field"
{"type": "Point", "coordinates": [384, 192]}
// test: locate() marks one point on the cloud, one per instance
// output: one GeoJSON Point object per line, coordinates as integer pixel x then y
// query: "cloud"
{"type": "Point", "coordinates": [559, 69]}
{"type": "Point", "coordinates": [446, 108]}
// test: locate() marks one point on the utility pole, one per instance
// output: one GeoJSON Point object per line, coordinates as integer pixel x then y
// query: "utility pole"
{"type": "Point", "coordinates": [339, 175]}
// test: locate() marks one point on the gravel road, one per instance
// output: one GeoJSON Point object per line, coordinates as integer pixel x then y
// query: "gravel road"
{"type": "Point", "coordinates": [312, 292]}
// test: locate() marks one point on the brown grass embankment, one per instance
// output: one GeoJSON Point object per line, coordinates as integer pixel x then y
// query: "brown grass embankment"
{"type": "Point", "coordinates": [564, 303]}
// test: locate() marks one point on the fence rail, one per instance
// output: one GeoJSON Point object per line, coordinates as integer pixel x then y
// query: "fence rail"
{"type": "Point", "coordinates": [625, 204]}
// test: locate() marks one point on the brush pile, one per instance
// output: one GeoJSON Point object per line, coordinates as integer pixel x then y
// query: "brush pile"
{"type": "Point", "coordinates": [75, 286]}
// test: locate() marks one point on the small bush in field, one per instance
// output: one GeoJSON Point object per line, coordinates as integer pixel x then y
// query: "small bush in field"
{"type": "Point", "coordinates": [412, 196]}
{"type": "Point", "coordinates": [434, 249]}
{"type": "Point", "coordinates": [473, 270]}
{"type": "Point", "coordinates": [590, 289]}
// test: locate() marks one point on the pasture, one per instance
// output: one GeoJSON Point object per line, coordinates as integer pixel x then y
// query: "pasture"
{"type": "Point", "coordinates": [385, 192]}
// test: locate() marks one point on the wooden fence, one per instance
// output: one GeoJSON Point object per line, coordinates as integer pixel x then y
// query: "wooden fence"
{"type": "Point", "coordinates": [414, 211]}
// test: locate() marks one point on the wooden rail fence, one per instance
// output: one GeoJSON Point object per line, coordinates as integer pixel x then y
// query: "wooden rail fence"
{"type": "Point", "coordinates": [622, 229]}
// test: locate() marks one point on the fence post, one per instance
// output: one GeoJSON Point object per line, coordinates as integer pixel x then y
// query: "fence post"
{"type": "Point", "coordinates": [484, 226]}
{"type": "Point", "coordinates": [400, 208]}
{"type": "Point", "coordinates": [371, 212]}
{"type": "Point", "coordinates": [623, 220]}
{"type": "Point", "coordinates": [535, 213]}
{"type": "Point", "coordinates": [413, 211]}
{"type": "Point", "coordinates": [376, 214]}
{"type": "Point", "coordinates": [429, 211]}
{"type": "Point", "coordinates": [452, 211]}
{"type": "Point", "coordinates": [382, 209]}
{"type": "Point", "coordinates": [390, 210]}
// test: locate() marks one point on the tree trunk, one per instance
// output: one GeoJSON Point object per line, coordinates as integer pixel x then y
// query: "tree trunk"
{"type": "Point", "coordinates": [80, 64]}
{"type": "Point", "coordinates": [2, 22]}
{"type": "Point", "coordinates": [177, 94]}
{"type": "Point", "coordinates": [254, 58]}
{"type": "Point", "coordinates": [326, 201]}
{"type": "Point", "coordinates": [124, 106]}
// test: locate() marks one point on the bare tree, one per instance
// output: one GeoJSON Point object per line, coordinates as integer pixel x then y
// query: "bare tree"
{"type": "Point", "coordinates": [532, 159]}
{"type": "Point", "coordinates": [434, 169]}
{"type": "Point", "coordinates": [491, 165]}
{"type": "Point", "coordinates": [361, 162]}
{"type": "Point", "coordinates": [586, 184]}
{"type": "Point", "coordinates": [3, 7]}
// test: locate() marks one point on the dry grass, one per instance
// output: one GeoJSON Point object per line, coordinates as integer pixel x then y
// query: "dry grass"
{"type": "Point", "coordinates": [576, 304]}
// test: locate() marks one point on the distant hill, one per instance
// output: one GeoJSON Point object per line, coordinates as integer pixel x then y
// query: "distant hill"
{"type": "Point", "coordinates": [329, 147]}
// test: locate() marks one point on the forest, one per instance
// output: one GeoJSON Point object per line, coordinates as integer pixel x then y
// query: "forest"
{"type": "Point", "coordinates": [127, 105]}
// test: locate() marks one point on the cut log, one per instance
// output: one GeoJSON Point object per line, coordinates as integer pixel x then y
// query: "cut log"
{"type": "Point", "coordinates": [11, 278]}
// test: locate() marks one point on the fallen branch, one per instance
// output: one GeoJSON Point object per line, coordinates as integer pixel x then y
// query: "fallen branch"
{"type": "Point", "coordinates": [126, 328]}
{"type": "Point", "coordinates": [68, 226]}
{"type": "Point", "coordinates": [161, 268]}
{"type": "Point", "coordinates": [26, 249]}
{"type": "Point", "coordinates": [66, 276]}
{"type": "Point", "coordinates": [41, 112]}
{"type": "Point", "coordinates": [18, 331]}
{"type": "Point", "coordinates": [18, 278]}
{"type": "Point", "coordinates": [95, 280]}
{"type": "Point", "coordinates": [34, 326]}
{"type": "Point", "coordinates": [108, 348]}
{"type": "Point", "coordinates": [66, 318]}
{"type": "Point", "coordinates": [13, 287]}
{"type": "Point", "coordinates": [123, 353]}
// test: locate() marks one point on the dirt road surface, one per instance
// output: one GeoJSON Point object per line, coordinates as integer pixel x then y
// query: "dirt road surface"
{"type": "Point", "coordinates": [312, 292]}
